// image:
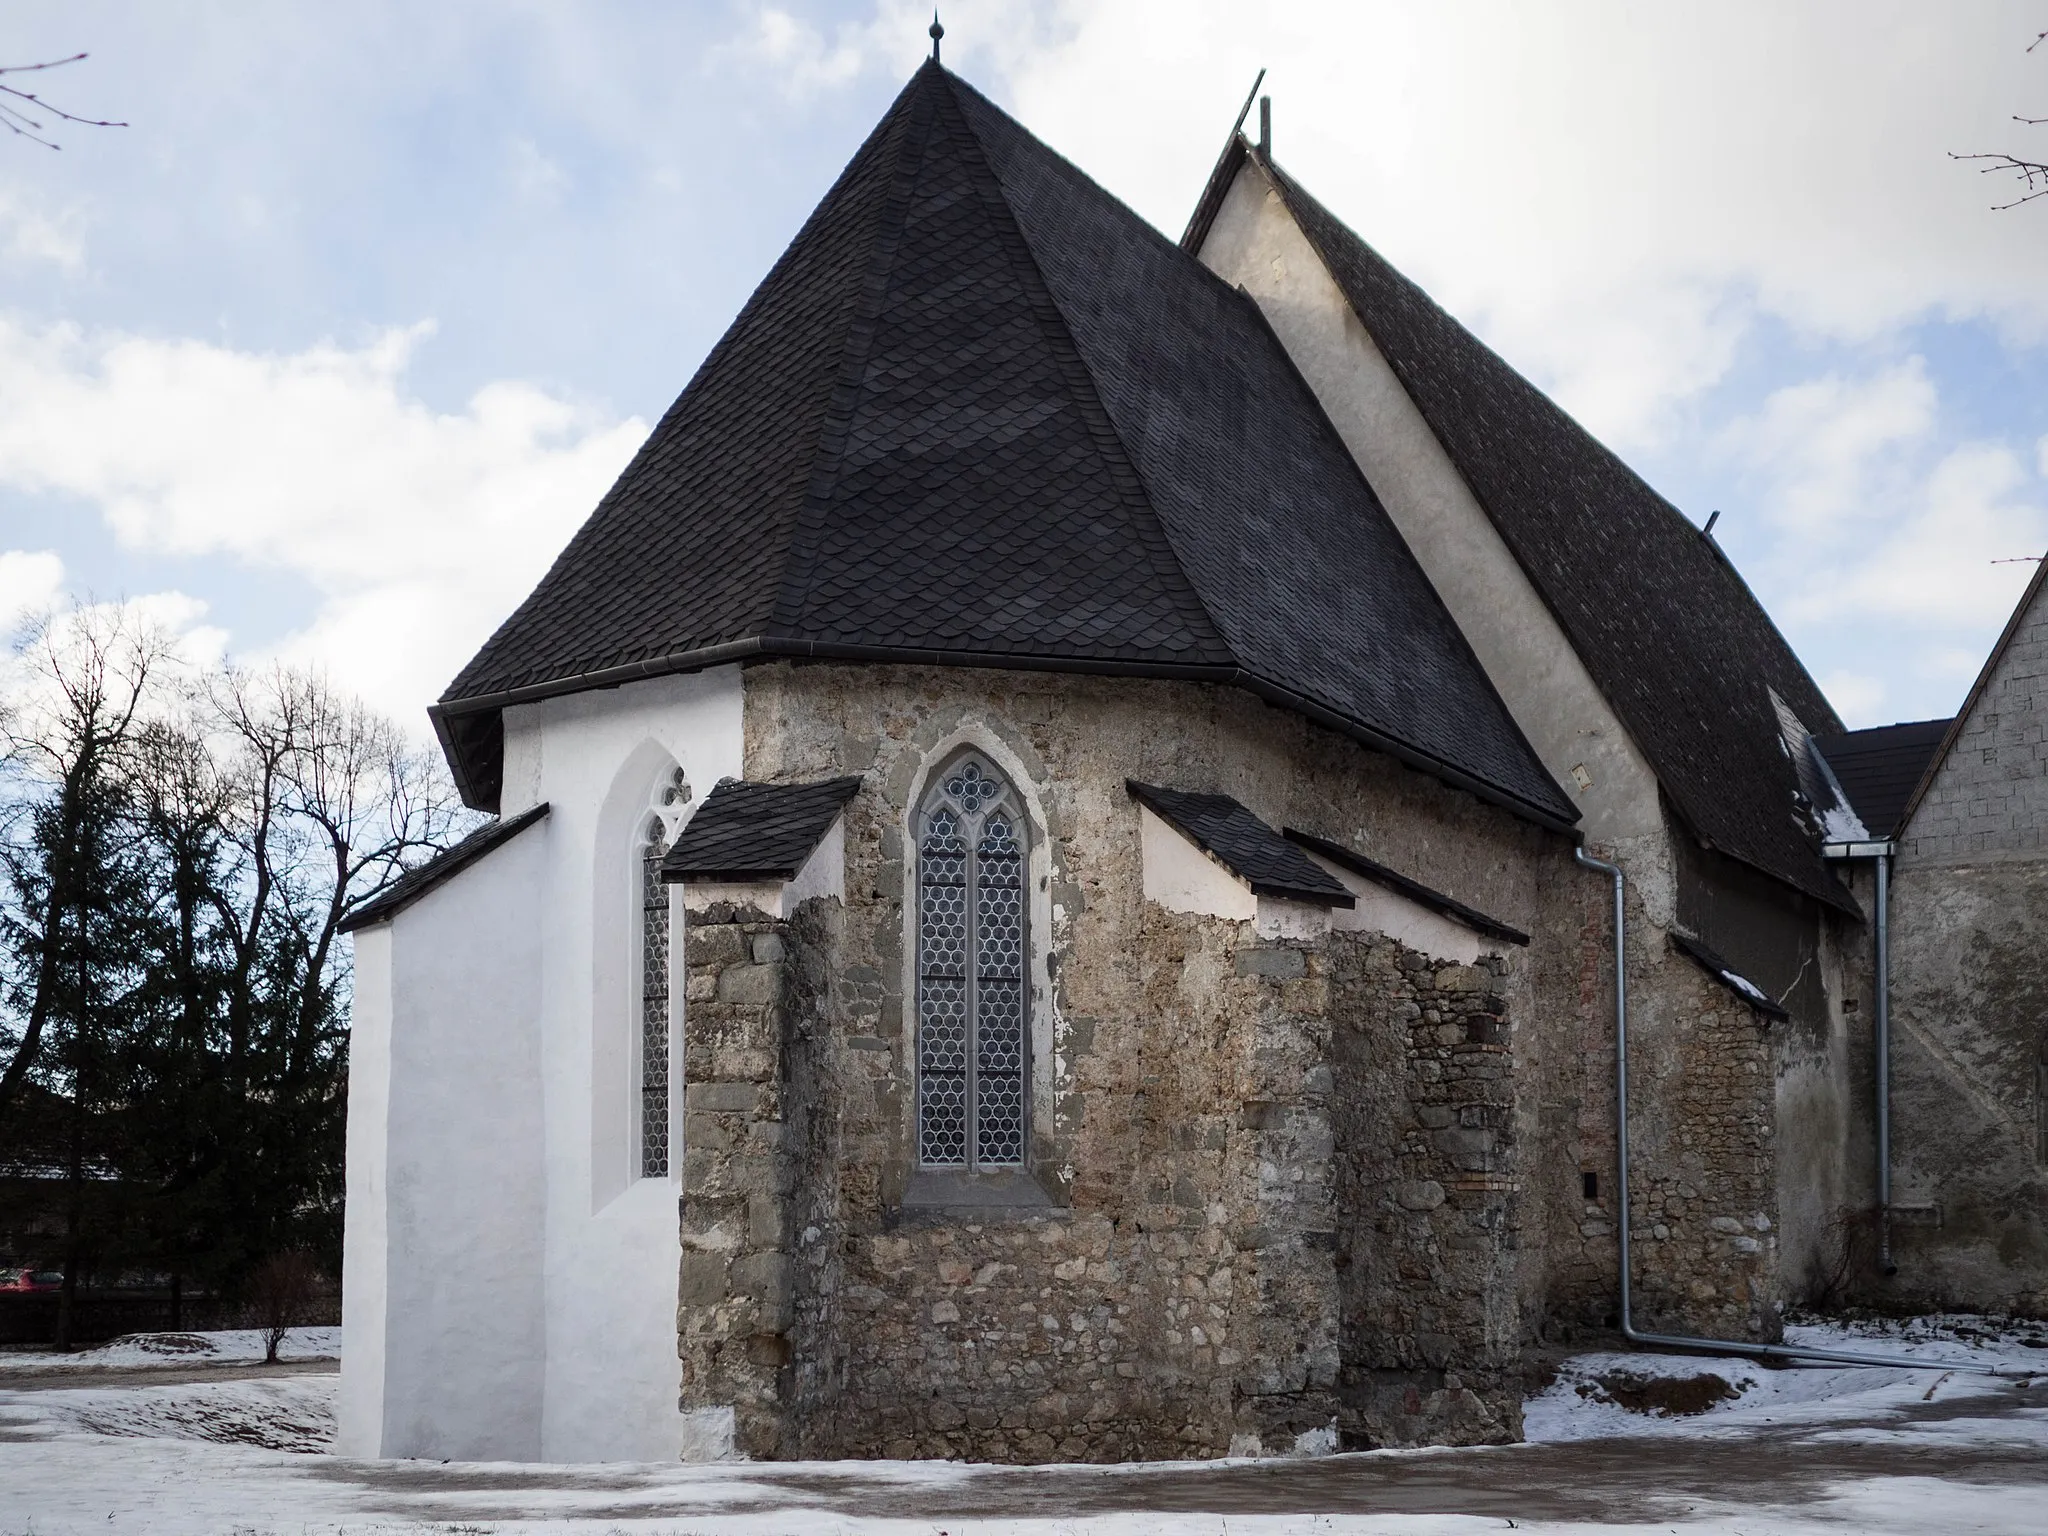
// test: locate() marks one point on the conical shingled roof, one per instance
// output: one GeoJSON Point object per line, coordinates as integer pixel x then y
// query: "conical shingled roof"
{"type": "Point", "coordinates": [981, 413]}
{"type": "Point", "coordinates": [1678, 644]}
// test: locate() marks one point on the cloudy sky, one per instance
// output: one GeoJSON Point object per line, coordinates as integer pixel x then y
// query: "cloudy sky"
{"type": "Point", "coordinates": [328, 352]}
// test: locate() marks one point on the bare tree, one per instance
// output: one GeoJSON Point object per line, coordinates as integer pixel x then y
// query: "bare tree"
{"type": "Point", "coordinates": [17, 117]}
{"type": "Point", "coordinates": [282, 1294]}
{"type": "Point", "coordinates": [2032, 174]}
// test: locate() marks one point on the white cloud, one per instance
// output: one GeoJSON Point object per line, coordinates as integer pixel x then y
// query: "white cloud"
{"type": "Point", "coordinates": [420, 529]}
{"type": "Point", "coordinates": [801, 59]}
{"type": "Point", "coordinates": [1858, 698]}
{"type": "Point", "coordinates": [31, 583]}
{"type": "Point", "coordinates": [1823, 446]}
{"type": "Point", "coordinates": [1938, 562]}
{"type": "Point", "coordinates": [30, 234]}
{"type": "Point", "coordinates": [1613, 193]}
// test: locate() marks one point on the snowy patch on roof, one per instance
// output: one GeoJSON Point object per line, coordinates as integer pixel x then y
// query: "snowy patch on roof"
{"type": "Point", "coordinates": [1728, 976]}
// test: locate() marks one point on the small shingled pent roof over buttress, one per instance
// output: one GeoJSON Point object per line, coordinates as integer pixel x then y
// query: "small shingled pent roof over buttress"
{"type": "Point", "coordinates": [746, 831]}
{"type": "Point", "coordinates": [1677, 643]}
{"type": "Point", "coordinates": [981, 413]}
{"type": "Point", "coordinates": [1245, 845]}
{"type": "Point", "coordinates": [443, 866]}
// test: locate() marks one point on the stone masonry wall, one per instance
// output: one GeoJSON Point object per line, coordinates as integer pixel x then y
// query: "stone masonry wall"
{"type": "Point", "coordinates": [758, 1288]}
{"type": "Point", "coordinates": [1224, 1256]}
{"type": "Point", "coordinates": [1704, 1180]}
{"type": "Point", "coordinates": [1179, 1294]}
{"type": "Point", "coordinates": [1183, 1302]}
{"type": "Point", "coordinates": [1428, 1215]}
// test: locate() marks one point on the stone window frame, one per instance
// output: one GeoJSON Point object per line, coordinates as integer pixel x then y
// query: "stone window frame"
{"type": "Point", "coordinates": [654, 830]}
{"type": "Point", "coordinates": [1003, 1186]}
{"type": "Point", "coordinates": [994, 840]}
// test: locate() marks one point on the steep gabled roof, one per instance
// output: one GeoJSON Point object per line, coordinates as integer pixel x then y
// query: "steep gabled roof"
{"type": "Point", "coordinates": [1879, 768]}
{"type": "Point", "coordinates": [746, 831]}
{"type": "Point", "coordinates": [2006, 636]}
{"type": "Point", "coordinates": [1672, 635]}
{"type": "Point", "coordinates": [981, 413]}
{"type": "Point", "coordinates": [1244, 845]}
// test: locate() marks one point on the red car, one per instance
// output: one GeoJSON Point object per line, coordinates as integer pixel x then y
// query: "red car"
{"type": "Point", "coordinates": [17, 1280]}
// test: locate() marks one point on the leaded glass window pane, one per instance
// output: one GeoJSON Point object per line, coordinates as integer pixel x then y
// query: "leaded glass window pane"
{"type": "Point", "coordinates": [973, 1051]}
{"type": "Point", "coordinates": [654, 1023]}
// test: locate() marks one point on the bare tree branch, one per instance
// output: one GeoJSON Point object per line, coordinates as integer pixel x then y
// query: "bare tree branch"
{"type": "Point", "coordinates": [2033, 174]}
{"type": "Point", "coordinates": [28, 127]}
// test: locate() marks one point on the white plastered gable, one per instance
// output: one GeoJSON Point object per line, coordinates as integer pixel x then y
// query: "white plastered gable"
{"type": "Point", "coordinates": [1182, 876]}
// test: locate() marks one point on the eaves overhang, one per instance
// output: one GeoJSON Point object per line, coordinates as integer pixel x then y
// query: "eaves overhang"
{"type": "Point", "coordinates": [478, 718]}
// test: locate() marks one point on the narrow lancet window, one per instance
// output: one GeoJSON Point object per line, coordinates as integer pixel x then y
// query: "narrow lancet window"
{"type": "Point", "coordinates": [973, 1036]}
{"type": "Point", "coordinates": [654, 1020]}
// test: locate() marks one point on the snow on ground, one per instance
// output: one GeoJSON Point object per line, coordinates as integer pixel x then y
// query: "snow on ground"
{"type": "Point", "coordinates": [289, 1413]}
{"type": "Point", "coordinates": [1600, 1396]}
{"type": "Point", "coordinates": [224, 1346]}
{"type": "Point", "coordinates": [1785, 1451]}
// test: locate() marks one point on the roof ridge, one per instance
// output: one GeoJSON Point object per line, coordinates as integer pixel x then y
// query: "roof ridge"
{"type": "Point", "coordinates": [1102, 428]}
{"type": "Point", "coordinates": [829, 449]}
{"type": "Point", "coordinates": [1319, 227]}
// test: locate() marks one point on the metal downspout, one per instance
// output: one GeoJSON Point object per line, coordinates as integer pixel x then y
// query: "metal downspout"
{"type": "Point", "coordinates": [1629, 1330]}
{"type": "Point", "coordinates": [1884, 1066]}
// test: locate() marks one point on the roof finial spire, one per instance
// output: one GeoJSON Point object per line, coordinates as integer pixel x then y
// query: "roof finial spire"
{"type": "Point", "coordinates": [937, 32]}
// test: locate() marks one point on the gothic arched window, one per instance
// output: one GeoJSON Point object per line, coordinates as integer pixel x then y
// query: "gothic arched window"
{"type": "Point", "coordinates": [654, 1018]}
{"type": "Point", "coordinates": [973, 1035]}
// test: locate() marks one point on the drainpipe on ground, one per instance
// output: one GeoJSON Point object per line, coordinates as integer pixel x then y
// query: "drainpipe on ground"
{"type": "Point", "coordinates": [1629, 1331]}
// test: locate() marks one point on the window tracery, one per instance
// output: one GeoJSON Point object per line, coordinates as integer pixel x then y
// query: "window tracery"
{"type": "Point", "coordinates": [662, 824]}
{"type": "Point", "coordinates": [973, 1066]}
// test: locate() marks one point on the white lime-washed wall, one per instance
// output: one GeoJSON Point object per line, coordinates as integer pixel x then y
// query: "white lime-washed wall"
{"type": "Point", "coordinates": [359, 1405]}
{"type": "Point", "coordinates": [613, 1247]}
{"type": "Point", "coordinates": [442, 1281]}
{"type": "Point", "coordinates": [511, 1278]}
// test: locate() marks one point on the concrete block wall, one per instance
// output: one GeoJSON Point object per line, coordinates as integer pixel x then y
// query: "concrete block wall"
{"type": "Point", "coordinates": [1970, 1006]}
{"type": "Point", "coordinates": [1989, 798]}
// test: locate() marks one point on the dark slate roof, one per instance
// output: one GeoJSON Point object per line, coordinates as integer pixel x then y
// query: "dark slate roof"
{"type": "Point", "coordinates": [445, 865]}
{"type": "Point", "coordinates": [1414, 890]}
{"type": "Point", "coordinates": [1879, 768]}
{"type": "Point", "coordinates": [1677, 643]}
{"type": "Point", "coordinates": [1728, 976]}
{"type": "Point", "coordinates": [1245, 845]}
{"type": "Point", "coordinates": [756, 831]}
{"type": "Point", "coordinates": [982, 413]}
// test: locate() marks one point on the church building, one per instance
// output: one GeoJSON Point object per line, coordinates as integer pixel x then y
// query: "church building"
{"type": "Point", "coordinates": [1065, 840]}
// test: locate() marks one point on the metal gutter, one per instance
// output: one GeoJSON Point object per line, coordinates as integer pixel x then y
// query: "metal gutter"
{"type": "Point", "coordinates": [1629, 1330]}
